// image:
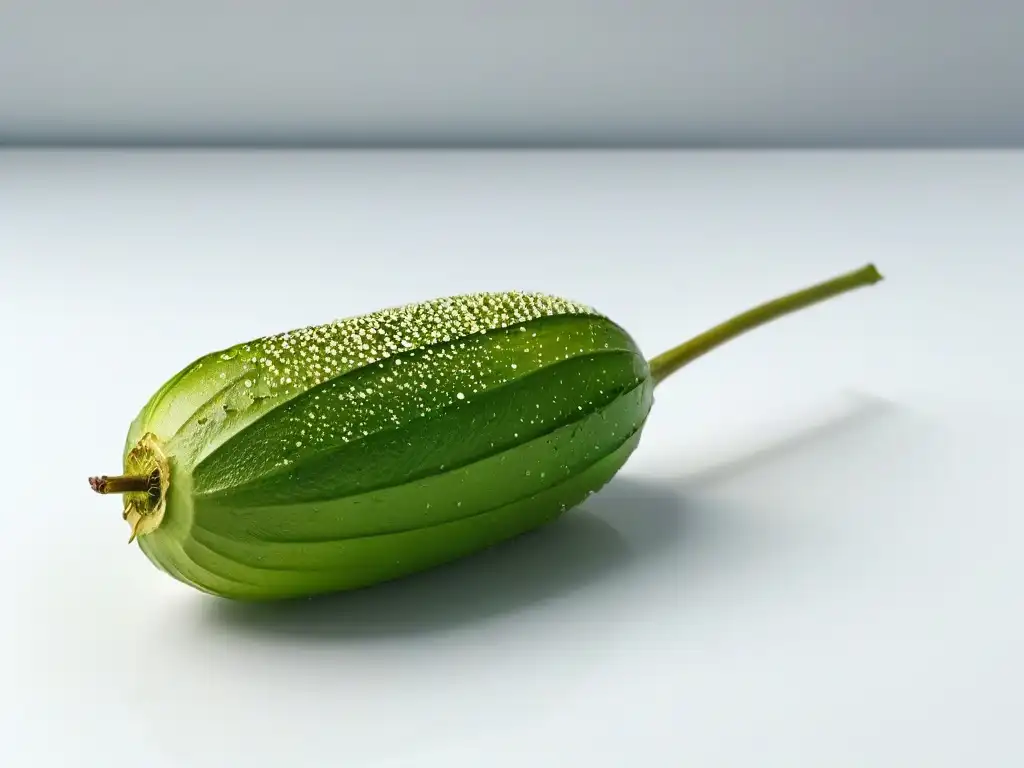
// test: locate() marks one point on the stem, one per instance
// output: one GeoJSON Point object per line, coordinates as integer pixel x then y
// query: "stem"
{"type": "Point", "coordinates": [120, 484]}
{"type": "Point", "coordinates": [669, 362]}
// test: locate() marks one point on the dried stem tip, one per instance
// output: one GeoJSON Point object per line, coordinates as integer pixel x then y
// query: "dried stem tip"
{"type": "Point", "coordinates": [120, 484]}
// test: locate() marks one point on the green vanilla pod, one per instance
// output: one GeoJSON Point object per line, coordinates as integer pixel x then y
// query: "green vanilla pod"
{"type": "Point", "coordinates": [341, 455]}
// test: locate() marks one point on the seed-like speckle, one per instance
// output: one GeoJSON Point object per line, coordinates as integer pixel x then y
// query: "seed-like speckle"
{"type": "Point", "coordinates": [341, 384]}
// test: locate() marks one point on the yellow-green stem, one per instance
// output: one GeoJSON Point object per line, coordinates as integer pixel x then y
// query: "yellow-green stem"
{"type": "Point", "coordinates": [671, 361]}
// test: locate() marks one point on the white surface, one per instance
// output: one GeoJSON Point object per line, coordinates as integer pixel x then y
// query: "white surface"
{"type": "Point", "coordinates": [701, 72]}
{"type": "Point", "coordinates": [813, 559]}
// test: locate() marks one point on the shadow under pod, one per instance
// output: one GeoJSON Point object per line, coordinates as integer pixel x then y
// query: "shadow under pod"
{"type": "Point", "coordinates": [630, 520]}
{"type": "Point", "coordinates": [572, 552]}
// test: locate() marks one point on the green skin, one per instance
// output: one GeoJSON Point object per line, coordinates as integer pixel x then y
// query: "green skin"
{"type": "Point", "coordinates": [339, 456]}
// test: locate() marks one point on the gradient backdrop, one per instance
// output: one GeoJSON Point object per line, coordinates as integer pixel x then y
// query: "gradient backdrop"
{"type": "Point", "coordinates": [451, 72]}
{"type": "Point", "coordinates": [813, 558]}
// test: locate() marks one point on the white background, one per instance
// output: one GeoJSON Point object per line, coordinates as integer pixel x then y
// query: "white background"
{"type": "Point", "coordinates": [814, 557]}
{"type": "Point", "coordinates": [694, 73]}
